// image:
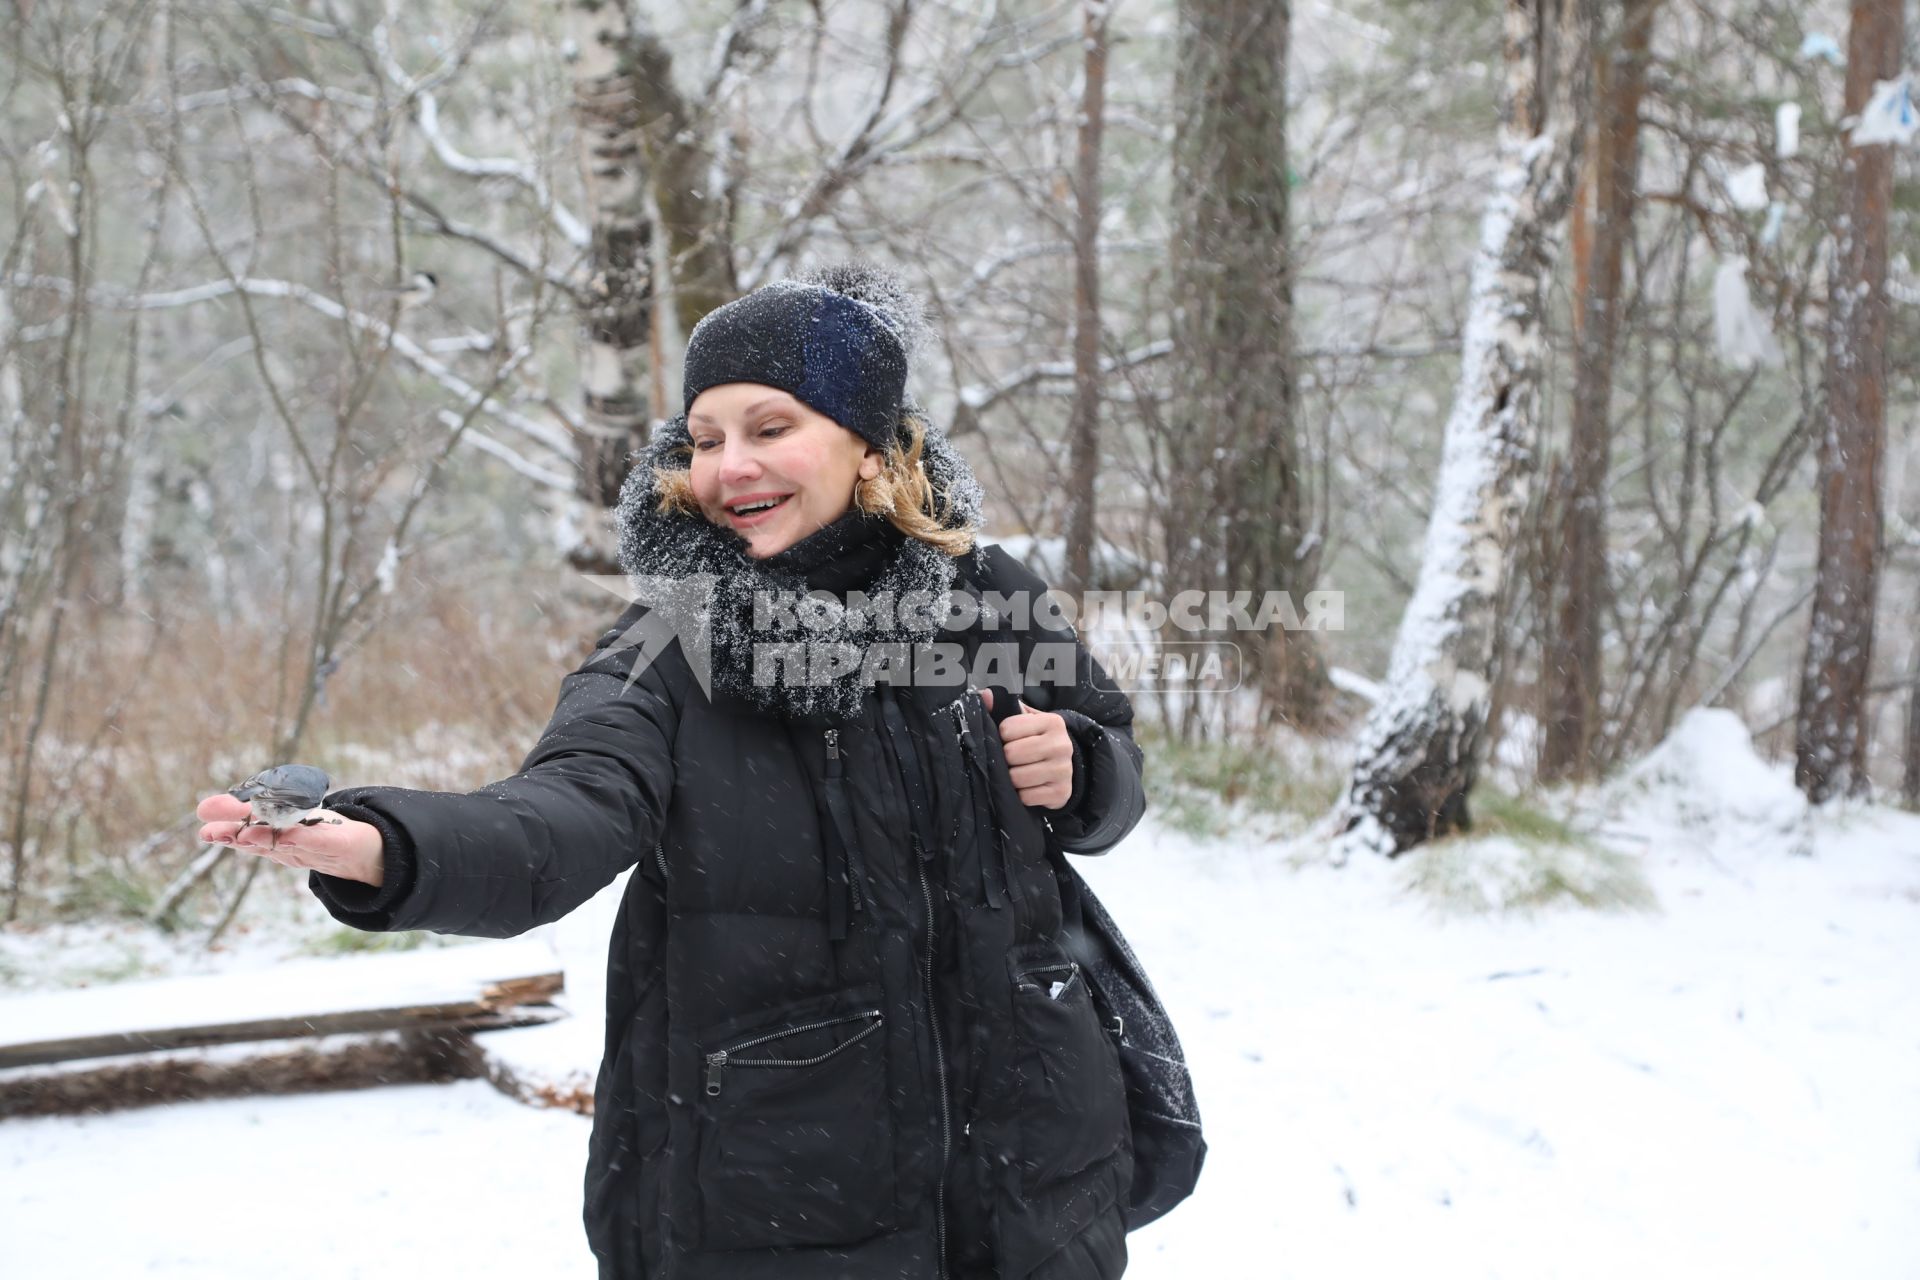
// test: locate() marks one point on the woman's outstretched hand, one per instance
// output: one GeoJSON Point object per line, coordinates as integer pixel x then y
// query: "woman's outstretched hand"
{"type": "Point", "coordinates": [1039, 755]}
{"type": "Point", "coordinates": [336, 845]}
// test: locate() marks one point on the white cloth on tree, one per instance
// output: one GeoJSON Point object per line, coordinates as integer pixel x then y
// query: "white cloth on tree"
{"type": "Point", "coordinates": [1888, 115]}
{"type": "Point", "coordinates": [1786, 130]}
{"type": "Point", "coordinates": [1747, 187]}
{"type": "Point", "coordinates": [1776, 216]}
{"type": "Point", "coordinates": [1744, 335]}
{"type": "Point", "coordinates": [1818, 44]}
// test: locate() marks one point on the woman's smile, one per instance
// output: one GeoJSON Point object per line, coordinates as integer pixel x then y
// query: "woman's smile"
{"type": "Point", "coordinates": [769, 467]}
{"type": "Point", "coordinates": [755, 509]}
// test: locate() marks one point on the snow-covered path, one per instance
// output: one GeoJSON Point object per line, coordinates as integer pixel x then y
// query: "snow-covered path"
{"type": "Point", "coordinates": [1726, 1085]}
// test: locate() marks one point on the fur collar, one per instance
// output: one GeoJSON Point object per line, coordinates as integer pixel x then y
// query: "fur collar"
{"type": "Point", "coordinates": [675, 545]}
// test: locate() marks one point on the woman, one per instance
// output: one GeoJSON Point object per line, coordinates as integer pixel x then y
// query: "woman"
{"type": "Point", "coordinates": [843, 1035]}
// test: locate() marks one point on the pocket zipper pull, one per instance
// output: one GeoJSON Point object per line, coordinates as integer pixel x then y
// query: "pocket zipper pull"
{"type": "Point", "coordinates": [716, 1063]}
{"type": "Point", "coordinates": [833, 753]}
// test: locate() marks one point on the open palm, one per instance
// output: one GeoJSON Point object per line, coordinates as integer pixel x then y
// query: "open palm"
{"type": "Point", "coordinates": [336, 845]}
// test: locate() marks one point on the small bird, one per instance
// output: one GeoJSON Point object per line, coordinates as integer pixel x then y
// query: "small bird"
{"type": "Point", "coordinates": [284, 796]}
{"type": "Point", "coordinates": [417, 292]}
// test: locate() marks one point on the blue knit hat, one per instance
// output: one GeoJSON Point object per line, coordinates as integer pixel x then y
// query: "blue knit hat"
{"type": "Point", "coordinates": [837, 340]}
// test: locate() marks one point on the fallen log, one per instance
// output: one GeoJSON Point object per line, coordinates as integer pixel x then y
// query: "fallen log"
{"type": "Point", "coordinates": [401, 1017]}
{"type": "Point", "coordinates": [231, 1071]}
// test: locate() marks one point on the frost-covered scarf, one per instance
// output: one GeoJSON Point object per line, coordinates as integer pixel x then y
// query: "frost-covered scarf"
{"type": "Point", "coordinates": [855, 552]}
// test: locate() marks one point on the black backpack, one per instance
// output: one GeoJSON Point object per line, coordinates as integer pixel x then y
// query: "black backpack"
{"type": "Point", "coordinates": [1168, 1148]}
{"type": "Point", "coordinates": [1164, 1115]}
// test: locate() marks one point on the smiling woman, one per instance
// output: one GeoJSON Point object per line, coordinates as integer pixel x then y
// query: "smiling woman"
{"type": "Point", "coordinates": [773, 447]}
{"type": "Point", "coordinates": [848, 1030]}
{"type": "Point", "coordinates": [769, 467]}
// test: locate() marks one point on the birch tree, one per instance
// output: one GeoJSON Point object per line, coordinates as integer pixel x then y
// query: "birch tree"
{"type": "Point", "coordinates": [617, 297]}
{"type": "Point", "coordinates": [1418, 753]}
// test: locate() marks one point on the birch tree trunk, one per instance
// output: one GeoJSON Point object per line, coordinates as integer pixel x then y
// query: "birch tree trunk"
{"type": "Point", "coordinates": [1084, 424]}
{"type": "Point", "coordinates": [690, 191]}
{"type": "Point", "coordinates": [1418, 754]}
{"type": "Point", "coordinates": [617, 298]}
{"type": "Point", "coordinates": [1830, 726]}
{"type": "Point", "coordinates": [1572, 669]}
{"type": "Point", "coordinates": [1235, 516]}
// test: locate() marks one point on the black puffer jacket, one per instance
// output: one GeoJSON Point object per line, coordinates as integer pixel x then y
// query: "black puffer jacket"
{"type": "Point", "coordinates": [843, 1039]}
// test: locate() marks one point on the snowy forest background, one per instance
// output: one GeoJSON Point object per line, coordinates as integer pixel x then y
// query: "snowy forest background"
{"type": "Point", "coordinates": [1203, 311]}
{"type": "Point", "coordinates": [1574, 343]}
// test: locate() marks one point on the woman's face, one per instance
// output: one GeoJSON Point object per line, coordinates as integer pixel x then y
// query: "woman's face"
{"type": "Point", "coordinates": [753, 443]}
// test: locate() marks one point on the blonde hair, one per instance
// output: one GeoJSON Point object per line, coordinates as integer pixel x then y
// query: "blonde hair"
{"type": "Point", "coordinates": [902, 492]}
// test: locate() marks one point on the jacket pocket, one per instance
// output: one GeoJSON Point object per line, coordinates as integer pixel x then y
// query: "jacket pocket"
{"type": "Point", "coordinates": [797, 1140]}
{"type": "Point", "coordinates": [1069, 1099]}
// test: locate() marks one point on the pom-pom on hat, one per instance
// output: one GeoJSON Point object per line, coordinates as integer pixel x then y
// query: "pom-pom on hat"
{"type": "Point", "coordinates": [836, 339]}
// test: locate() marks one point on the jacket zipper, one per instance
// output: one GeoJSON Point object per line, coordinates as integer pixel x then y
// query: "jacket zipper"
{"type": "Point", "coordinates": [719, 1060]}
{"type": "Point", "coordinates": [856, 866]}
{"type": "Point", "coordinates": [908, 759]}
{"type": "Point", "coordinates": [1072, 970]}
{"type": "Point", "coordinates": [940, 1065]}
{"type": "Point", "coordinates": [996, 878]}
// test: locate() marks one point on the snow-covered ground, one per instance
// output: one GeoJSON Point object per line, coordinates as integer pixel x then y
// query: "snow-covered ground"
{"type": "Point", "coordinates": [1725, 1083]}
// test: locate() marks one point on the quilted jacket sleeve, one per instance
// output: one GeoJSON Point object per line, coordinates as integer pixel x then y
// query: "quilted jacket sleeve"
{"type": "Point", "coordinates": [522, 852]}
{"type": "Point", "coordinates": [1108, 797]}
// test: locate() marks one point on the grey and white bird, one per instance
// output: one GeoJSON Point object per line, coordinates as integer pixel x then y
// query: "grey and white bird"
{"type": "Point", "coordinates": [416, 292]}
{"type": "Point", "coordinates": [283, 796]}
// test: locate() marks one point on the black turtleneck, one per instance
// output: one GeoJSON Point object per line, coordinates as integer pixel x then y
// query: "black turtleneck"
{"type": "Point", "coordinates": [842, 556]}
